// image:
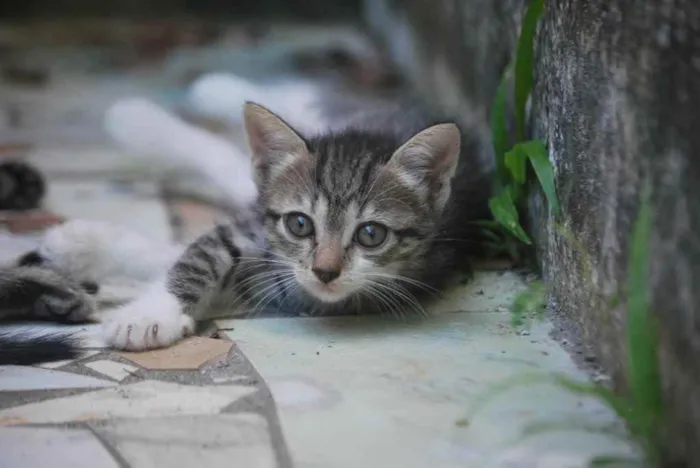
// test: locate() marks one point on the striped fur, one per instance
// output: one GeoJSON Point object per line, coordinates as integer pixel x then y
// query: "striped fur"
{"type": "Point", "coordinates": [340, 180]}
{"type": "Point", "coordinates": [399, 178]}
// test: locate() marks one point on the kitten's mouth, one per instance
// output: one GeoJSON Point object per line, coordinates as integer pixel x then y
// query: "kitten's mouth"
{"type": "Point", "coordinates": [329, 293]}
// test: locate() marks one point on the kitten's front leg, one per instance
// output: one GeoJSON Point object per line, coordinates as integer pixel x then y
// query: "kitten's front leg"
{"type": "Point", "coordinates": [167, 312]}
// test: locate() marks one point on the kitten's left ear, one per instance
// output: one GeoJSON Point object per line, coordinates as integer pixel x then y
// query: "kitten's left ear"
{"type": "Point", "coordinates": [428, 161]}
{"type": "Point", "coordinates": [274, 144]}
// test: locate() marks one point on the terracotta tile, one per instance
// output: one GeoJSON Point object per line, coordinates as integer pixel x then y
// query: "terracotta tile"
{"type": "Point", "coordinates": [27, 221]}
{"type": "Point", "coordinates": [14, 150]}
{"type": "Point", "coordinates": [192, 218]}
{"type": "Point", "coordinates": [190, 353]}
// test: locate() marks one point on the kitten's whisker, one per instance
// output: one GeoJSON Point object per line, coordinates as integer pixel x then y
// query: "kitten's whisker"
{"type": "Point", "coordinates": [401, 293]}
{"type": "Point", "coordinates": [267, 285]}
{"type": "Point", "coordinates": [414, 282]}
{"type": "Point", "coordinates": [271, 295]}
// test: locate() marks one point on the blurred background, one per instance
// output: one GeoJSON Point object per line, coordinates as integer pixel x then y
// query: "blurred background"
{"type": "Point", "coordinates": [616, 92]}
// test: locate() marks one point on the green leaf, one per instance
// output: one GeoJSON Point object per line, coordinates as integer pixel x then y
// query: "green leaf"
{"type": "Point", "coordinates": [504, 211]}
{"type": "Point", "coordinates": [515, 160]}
{"type": "Point", "coordinates": [539, 159]}
{"type": "Point", "coordinates": [523, 63]}
{"type": "Point", "coordinates": [499, 132]}
{"type": "Point", "coordinates": [642, 339]}
{"type": "Point", "coordinates": [529, 303]}
{"type": "Point", "coordinates": [614, 461]}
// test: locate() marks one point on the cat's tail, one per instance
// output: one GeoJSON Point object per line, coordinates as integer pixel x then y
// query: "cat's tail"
{"type": "Point", "coordinates": [164, 140]}
{"type": "Point", "coordinates": [36, 343]}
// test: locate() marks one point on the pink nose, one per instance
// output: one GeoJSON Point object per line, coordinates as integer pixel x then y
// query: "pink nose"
{"type": "Point", "coordinates": [326, 275]}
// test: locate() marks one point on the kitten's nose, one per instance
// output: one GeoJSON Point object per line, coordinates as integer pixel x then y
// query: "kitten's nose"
{"type": "Point", "coordinates": [326, 275]}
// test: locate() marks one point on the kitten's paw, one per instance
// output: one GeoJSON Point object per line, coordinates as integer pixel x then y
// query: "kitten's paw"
{"type": "Point", "coordinates": [136, 328]}
{"type": "Point", "coordinates": [65, 306]}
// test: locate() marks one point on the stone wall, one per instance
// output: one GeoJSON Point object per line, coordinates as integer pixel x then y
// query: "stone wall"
{"type": "Point", "coordinates": [617, 97]}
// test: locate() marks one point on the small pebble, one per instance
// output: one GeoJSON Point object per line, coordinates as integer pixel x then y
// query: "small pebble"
{"type": "Point", "coordinates": [462, 422]}
{"type": "Point", "coordinates": [318, 353]}
{"type": "Point", "coordinates": [524, 333]}
{"type": "Point", "coordinates": [589, 358]}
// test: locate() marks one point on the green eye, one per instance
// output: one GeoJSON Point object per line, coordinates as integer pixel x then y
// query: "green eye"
{"type": "Point", "coordinates": [299, 225]}
{"type": "Point", "coordinates": [371, 235]}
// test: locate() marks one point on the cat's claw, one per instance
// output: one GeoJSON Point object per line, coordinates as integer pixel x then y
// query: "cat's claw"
{"type": "Point", "coordinates": [134, 327]}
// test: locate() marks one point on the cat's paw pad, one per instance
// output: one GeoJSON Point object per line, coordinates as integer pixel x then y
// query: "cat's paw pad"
{"type": "Point", "coordinates": [65, 306]}
{"type": "Point", "coordinates": [140, 330]}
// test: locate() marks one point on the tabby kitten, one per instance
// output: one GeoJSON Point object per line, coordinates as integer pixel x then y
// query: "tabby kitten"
{"type": "Point", "coordinates": [359, 219]}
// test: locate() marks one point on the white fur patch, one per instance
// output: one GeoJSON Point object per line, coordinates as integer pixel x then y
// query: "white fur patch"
{"type": "Point", "coordinates": [222, 96]}
{"type": "Point", "coordinates": [149, 131]}
{"type": "Point", "coordinates": [154, 320]}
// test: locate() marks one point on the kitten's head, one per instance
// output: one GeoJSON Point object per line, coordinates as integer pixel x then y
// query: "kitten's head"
{"type": "Point", "coordinates": [349, 211]}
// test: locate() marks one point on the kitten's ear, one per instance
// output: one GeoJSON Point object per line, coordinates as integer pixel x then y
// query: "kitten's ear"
{"type": "Point", "coordinates": [274, 144]}
{"type": "Point", "coordinates": [428, 161]}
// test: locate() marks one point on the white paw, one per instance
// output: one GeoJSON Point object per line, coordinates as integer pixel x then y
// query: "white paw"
{"type": "Point", "coordinates": [147, 324]}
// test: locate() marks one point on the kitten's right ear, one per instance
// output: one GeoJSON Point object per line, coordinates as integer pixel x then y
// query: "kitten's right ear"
{"type": "Point", "coordinates": [274, 144]}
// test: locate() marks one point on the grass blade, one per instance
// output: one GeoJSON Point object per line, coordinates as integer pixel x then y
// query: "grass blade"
{"type": "Point", "coordinates": [499, 132]}
{"type": "Point", "coordinates": [642, 339]}
{"type": "Point", "coordinates": [523, 63]}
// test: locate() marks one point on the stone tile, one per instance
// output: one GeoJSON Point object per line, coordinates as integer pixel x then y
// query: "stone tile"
{"type": "Point", "coordinates": [225, 441]}
{"type": "Point", "coordinates": [392, 393]}
{"type": "Point", "coordinates": [140, 400]}
{"type": "Point", "coordinates": [487, 291]}
{"type": "Point", "coordinates": [57, 364]}
{"type": "Point", "coordinates": [38, 447]}
{"type": "Point", "coordinates": [14, 378]}
{"type": "Point", "coordinates": [136, 207]}
{"type": "Point", "coordinates": [112, 369]}
{"type": "Point", "coordinates": [190, 353]}
{"type": "Point", "coordinates": [193, 219]}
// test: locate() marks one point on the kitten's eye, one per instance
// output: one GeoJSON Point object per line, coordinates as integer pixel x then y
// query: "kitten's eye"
{"type": "Point", "coordinates": [299, 224]}
{"type": "Point", "coordinates": [371, 235]}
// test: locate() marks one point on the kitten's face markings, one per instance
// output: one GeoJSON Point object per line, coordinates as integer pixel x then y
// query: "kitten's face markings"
{"type": "Point", "coordinates": [349, 219]}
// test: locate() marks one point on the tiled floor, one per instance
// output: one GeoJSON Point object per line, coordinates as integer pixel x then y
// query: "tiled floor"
{"type": "Point", "coordinates": [304, 392]}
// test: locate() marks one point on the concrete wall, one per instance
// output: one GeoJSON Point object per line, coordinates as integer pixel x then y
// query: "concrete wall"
{"type": "Point", "coordinates": [617, 96]}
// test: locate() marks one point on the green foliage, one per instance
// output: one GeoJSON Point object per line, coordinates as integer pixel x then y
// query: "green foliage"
{"type": "Point", "coordinates": [642, 335]}
{"type": "Point", "coordinates": [512, 165]}
{"type": "Point", "coordinates": [529, 304]}
{"type": "Point", "coordinates": [523, 63]}
{"type": "Point", "coordinates": [504, 212]}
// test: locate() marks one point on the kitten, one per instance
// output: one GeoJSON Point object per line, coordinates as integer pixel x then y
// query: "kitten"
{"type": "Point", "coordinates": [360, 219]}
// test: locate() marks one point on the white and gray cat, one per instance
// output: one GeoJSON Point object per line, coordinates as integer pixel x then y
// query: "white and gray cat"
{"type": "Point", "coordinates": [358, 215]}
